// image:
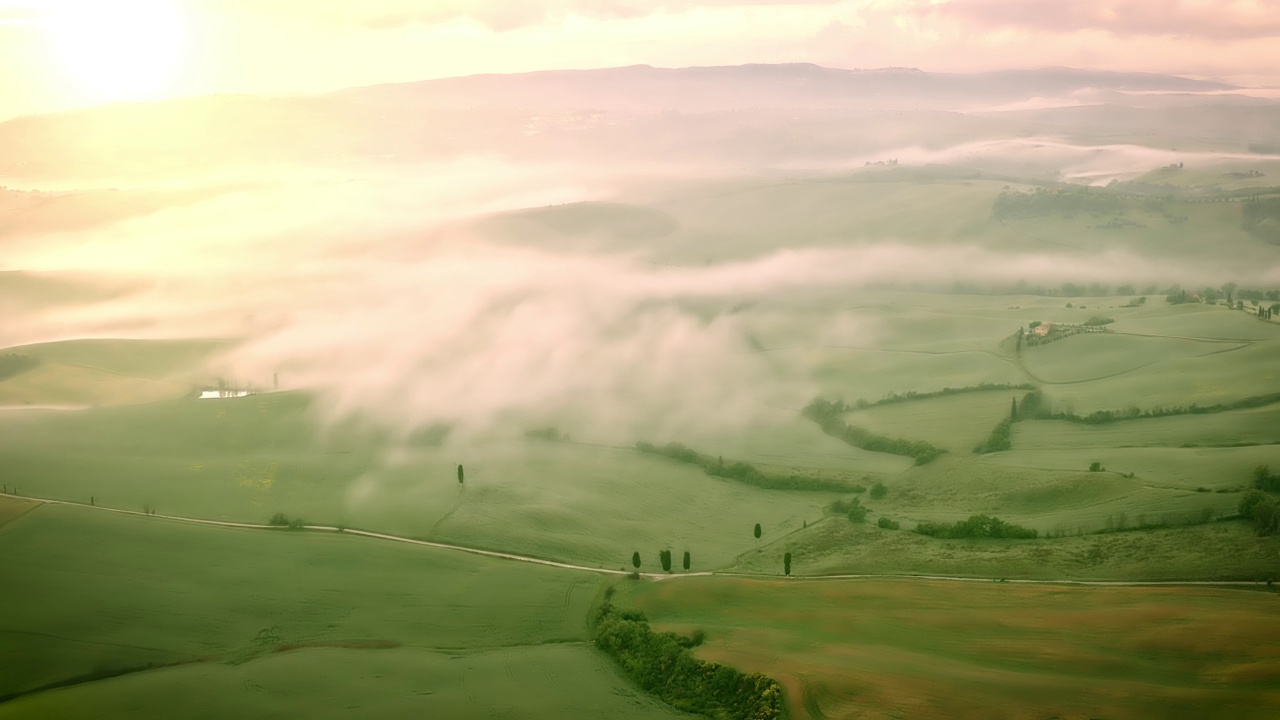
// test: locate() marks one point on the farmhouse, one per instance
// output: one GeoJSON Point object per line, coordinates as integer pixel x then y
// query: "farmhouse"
{"type": "Point", "coordinates": [1041, 330]}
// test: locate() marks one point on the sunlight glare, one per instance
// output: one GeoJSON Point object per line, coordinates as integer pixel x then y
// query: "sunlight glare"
{"type": "Point", "coordinates": [121, 50]}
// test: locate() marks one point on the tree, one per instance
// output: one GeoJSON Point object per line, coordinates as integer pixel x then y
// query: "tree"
{"type": "Point", "coordinates": [686, 560]}
{"type": "Point", "coordinates": [757, 531]}
{"type": "Point", "coordinates": [664, 557]}
{"type": "Point", "coordinates": [635, 559]}
{"type": "Point", "coordinates": [1013, 408]}
{"type": "Point", "coordinates": [1229, 289]}
{"type": "Point", "coordinates": [1096, 467]}
{"type": "Point", "coordinates": [786, 564]}
{"type": "Point", "coordinates": [460, 473]}
{"type": "Point", "coordinates": [878, 491]}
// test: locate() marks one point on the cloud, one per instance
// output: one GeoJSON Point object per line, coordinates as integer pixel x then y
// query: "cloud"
{"type": "Point", "coordinates": [1210, 20]}
{"type": "Point", "coordinates": [505, 15]}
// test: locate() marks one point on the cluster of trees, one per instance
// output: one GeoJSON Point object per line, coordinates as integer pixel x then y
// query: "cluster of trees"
{"type": "Point", "coordinates": [1102, 417]}
{"type": "Point", "coordinates": [282, 520]}
{"type": "Point", "coordinates": [742, 472]}
{"type": "Point", "coordinates": [663, 664]}
{"type": "Point", "coordinates": [912, 395]}
{"type": "Point", "coordinates": [550, 433]}
{"type": "Point", "coordinates": [1066, 202]}
{"type": "Point", "coordinates": [977, 526]}
{"type": "Point", "coordinates": [1264, 480]}
{"type": "Point", "coordinates": [1261, 509]}
{"type": "Point", "coordinates": [664, 559]}
{"type": "Point", "coordinates": [1001, 437]}
{"type": "Point", "coordinates": [12, 363]}
{"type": "Point", "coordinates": [827, 415]}
{"type": "Point", "coordinates": [1261, 219]}
{"type": "Point", "coordinates": [1230, 292]}
{"type": "Point", "coordinates": [1098, 320]}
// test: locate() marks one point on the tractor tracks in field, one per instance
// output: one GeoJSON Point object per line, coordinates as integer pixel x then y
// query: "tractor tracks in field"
{"type": "Point", "coordinates": [648, 576]}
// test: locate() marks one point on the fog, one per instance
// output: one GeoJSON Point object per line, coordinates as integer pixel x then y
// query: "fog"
{"type": "Point", "coordinates": [369, 279]}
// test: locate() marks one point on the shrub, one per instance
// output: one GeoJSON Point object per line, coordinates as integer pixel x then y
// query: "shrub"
{"type": "Point", "coordinates": [999, 439]}
{"type": "Point", "coordinates": [661, 663]}
{"type": "Point", "coordinates": [977, 526]}
{"type": "Point", "coordinates": [887, 524]}
{"type": "Point", "coordinates": [279, 520]}
{"type": "Point", "coordinates": [878, 491]}
{"type": "Point", "coordinates": [1262, 510]}
{"type": "Point", "coordinates": [297, 524]}
{"type": "Point", "coordinates": [857, 513]}
{"type": "Point", "coordinates": [1096, 467]}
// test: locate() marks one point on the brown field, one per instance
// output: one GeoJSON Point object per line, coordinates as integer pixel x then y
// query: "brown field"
{"type": "Point", "coordinates": [925, 649]}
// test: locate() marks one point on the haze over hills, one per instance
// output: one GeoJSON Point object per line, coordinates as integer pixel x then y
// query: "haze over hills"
{"type": "Point", "coordinates": [744, 116]}
{"type": "Point", "coordinates": [775, 319]}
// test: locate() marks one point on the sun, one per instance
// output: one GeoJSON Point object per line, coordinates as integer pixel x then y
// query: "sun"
{"type": "Point", "coordinates": [119, 50]}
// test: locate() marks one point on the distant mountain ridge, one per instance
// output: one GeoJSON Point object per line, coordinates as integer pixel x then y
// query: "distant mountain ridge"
{"type": "Point", "coordinates": [743, 115]}
{"type": "Point", "coordinates": [736, 87]}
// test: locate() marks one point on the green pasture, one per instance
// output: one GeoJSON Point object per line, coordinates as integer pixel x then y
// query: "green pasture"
{"type": "Point", "coordinates": [89, 591]}
{"type": "Point", "coordinates": [873, 374]}
{"type": "Point", "coordinates": [954, 422]}
{"type": "Point", "coordinates": [1215, 551]}
{"type": "Point", "coordinates": [1211, 467]}
{"type": "Point", "coordinates": [1252, 426]}
{"type": "Point", "coordinates": [1049, 498]}
{"type": "Point", "coordinates": [1195, 320]}
{"type": "Point", "coordinates": [110, 372]}
{"type": "Point", "coordinates": [1098, 356]}
{"type": "Point", "coordinates": [1210, 379]}
{"type": "Point", "coordinates": [567, 680]}
{"type": "Point", "coordinates": [245, 459]}
{"type": "Point", "coordinates": [918, 649]}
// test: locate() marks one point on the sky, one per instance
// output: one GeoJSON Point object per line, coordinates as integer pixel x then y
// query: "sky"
{"type": "Point", "coordinates": [59, 54]}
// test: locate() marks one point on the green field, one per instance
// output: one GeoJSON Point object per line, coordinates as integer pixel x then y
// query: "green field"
{"type": "Point", "coordinates": [1214, 551]}
{"type": "Point", "coordinates": [540, 681]}
{"type": "Point", "coordinates": [245, 459]}
{"type": "Point", "coordinates": [849, 284]}
{"type": "Point", "coordinates": [883, 648]}
{"type": "Point", "coordinates": [109, 372]}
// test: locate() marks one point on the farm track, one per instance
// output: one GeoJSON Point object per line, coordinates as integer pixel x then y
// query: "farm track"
{"type": "Point", "coordinates": [650, 576]}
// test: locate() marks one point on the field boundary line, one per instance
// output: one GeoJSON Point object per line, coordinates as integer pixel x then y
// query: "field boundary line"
{"type": "Point", "coordinates": [651, 576]}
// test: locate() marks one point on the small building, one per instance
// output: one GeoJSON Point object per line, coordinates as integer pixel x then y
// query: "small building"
{"type": "Point", "coordinates": [1041, 330]}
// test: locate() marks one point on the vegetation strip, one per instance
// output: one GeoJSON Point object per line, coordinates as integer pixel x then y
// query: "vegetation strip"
{"type": "Point", "coordinates": [662, 664]}
{"type": "Point", "coordinates": [827, 414]}
{"type": "Point", "coordinates": [911, 395]}
{"type": "Point", "coordinates": [745, 472]}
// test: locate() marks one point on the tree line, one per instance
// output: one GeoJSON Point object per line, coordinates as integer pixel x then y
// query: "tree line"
{"type": "Point", "coordinates": [742, 472]}
{"type": "Point", "coordinates": [663, 664]}
{"type": "Point", "coordinates": [12, 364]}
{"type": "Point", "coordinates": [826, 413]}
{"type": "Point", "coordinates": [1102, 417]}
{"type": "Point", "coordinates": [977, 526]}
{"type": "Point", "coordinates": [910, 395]}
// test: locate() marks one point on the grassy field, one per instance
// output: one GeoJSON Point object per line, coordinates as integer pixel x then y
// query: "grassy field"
{"type": "Point", "coordinates": [109, 372]}
{"type": "Point", "coordinates": [120, 592]}
{"type": "Point", "coordinates": [955, 422]}
{"type": "Point", "coordinates": [542, 681]}
{"type": "Point", "coordinates": [1255, 425]}
{"type": "Point", "coordinates": [912, 649]}
{"type": "Point", "coordinates": [1216, 551]}
{"type": "Point", "coordinates": [245, 459]}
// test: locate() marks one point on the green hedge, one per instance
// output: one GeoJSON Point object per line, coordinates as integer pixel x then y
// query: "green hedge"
{"type": "Point", "coordinates": [744, 472]}
{"type": "Point", "coordinates": [662, 664]}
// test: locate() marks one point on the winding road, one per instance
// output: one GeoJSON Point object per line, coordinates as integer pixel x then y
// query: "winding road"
{"type": "Point", "coordinates": [651, 576]}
